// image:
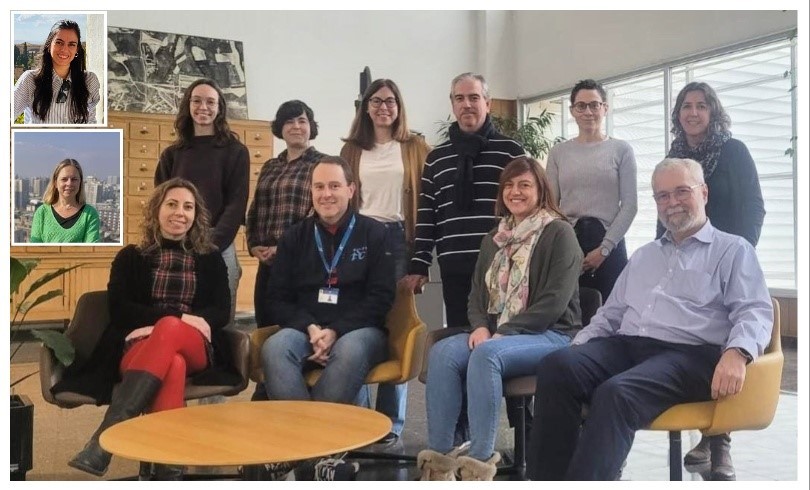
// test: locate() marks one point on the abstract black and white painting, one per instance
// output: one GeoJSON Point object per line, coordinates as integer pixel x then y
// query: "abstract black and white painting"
{"type": "Point", "coordinates": [149, 70]}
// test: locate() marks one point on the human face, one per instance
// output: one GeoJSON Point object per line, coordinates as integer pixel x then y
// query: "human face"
{"type": "Point", "coordinates": [64, 47]}
{"type": "Point", "coordinates": [520, 195]}
{"type": "Point", "coordinates": [176, 213]}
{"type": "Point", "coordinates": [588, 121]}
{"type": "Point", "coordinates": [694, 116]}
{"type": "Point", "coordinates": [204, 106]}
{"type": "Point", "coordinates": [682, 217]}
{"type": "Point", "coordinates": [68, 183]}
{"type": "Point", "coordinates": [296, 131]}
{"type": "Point", "coordinates": [383, 116]}
{"type": "Point", "coordinates": [330, 192]}
{"type": "Point", "coordinates": [469, 105]}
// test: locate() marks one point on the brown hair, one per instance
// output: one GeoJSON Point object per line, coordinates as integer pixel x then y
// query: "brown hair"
{"type": "Point", "coordinates": [198, 237]}
{"type": "Point", "coordinates": [51, 195]}
{"type": "Point", "coordinates": [362, 130]}
{"type": "Point", "coordinates": [719, 119]}
{"type": "Point", "coordinates": [545, 194]}
{"type": "Point", "coordinates": [184, 123]}
{"type": "Point", "coordinates": [340, 162]}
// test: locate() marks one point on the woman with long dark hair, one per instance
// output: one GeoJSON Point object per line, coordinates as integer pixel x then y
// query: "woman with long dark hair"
{"type": "Point", "coordinates": [61, 91]}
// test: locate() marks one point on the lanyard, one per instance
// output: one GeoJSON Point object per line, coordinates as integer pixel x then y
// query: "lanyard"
{"type": "Point", "coordinates": [336, 258]}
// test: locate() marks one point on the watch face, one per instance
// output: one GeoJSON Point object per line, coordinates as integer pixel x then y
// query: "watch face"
{"type": "Point", "coordinates": [605, 252]}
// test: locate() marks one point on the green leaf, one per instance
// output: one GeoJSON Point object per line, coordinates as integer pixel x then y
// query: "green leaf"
{"type": "Point", "coordinates": [46, 278]}
{"type": "Point", "coordinates": [26, 307]}
{"type": "Point", "coordinates": [59, 343]}
{"type": "Point", "coordinates": [18, 271]}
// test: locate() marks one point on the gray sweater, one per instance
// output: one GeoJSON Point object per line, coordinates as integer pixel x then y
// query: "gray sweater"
{"type": "Point", "coordinates": [553, 285]}
{"type": "Point", "coordinates": [598, 180]}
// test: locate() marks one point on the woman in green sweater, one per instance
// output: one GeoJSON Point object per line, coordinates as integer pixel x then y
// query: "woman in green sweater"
{"type": "Point", "coordinates": [64, 217]}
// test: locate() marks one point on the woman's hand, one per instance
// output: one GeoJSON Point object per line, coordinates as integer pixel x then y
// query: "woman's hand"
{"type": "Point", "coordinates": [199, 323]}
{"type": "Point", "coordinates": [593, 260]}
{"type": "Point", "coordinates": [139, 332]}
{"type": "Point", "coordinates": [479, 335]}
{"type": "Point", "coordinates": [264, 254]}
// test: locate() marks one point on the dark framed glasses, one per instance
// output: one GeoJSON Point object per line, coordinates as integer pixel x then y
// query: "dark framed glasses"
{"type": "Point", "coordinates": [63, 92]}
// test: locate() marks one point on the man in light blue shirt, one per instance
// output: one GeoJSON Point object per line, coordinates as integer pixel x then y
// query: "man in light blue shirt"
{"type": "Point", "coordinates": [686, 315]}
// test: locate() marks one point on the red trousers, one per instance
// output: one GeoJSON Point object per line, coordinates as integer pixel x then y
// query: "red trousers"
{"type": "Point", "coordinates": [171, 352]}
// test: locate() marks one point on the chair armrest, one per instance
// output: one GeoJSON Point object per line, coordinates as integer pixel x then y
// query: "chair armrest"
{"type": "Point", "coordinates": [755, 406]}
{"type": "Point", "coordinates": [239, 343]}
{"type": "Point", "coordinates": [50, 372]}
{"type": "Point", "coordinates": [257, 338]}
{"type": "Point", "coordinates": [415, 346]}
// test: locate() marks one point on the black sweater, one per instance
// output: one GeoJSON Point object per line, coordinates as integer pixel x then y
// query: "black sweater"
{"type": "Point", "coordinates": [129, 296]}
{"type": "Point", "coordinates": [365, 277]}
{"type": "Point", "coordinates": [221, 174]}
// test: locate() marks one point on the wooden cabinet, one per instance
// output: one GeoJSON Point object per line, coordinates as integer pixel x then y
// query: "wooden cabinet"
{"type": "Point", "coordinates": [145, 137]}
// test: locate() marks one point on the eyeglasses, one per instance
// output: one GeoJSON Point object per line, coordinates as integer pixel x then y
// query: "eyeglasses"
{"type": "Point", "coordinates": [376, 102]}
{"type": "Point", "coordinates": [63, 92]}
{"type": "Point", "coordinates": [593, 106]}
{"type": "Point", "coordinates": [681, 194]}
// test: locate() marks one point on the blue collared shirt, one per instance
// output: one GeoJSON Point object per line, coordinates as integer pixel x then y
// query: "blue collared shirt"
{"type": "Point", "coordinates": [709, 289]}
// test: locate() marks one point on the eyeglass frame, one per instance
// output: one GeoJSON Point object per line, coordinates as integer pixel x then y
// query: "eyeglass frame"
{"type": "Point", "coordinates": [681, 194]}
{"type": "Point", "coordinates": [587, 105]}
{"type": "Point", "coordinates": [62, 96]}
{"type": "Point", "coordinates": [389, 102]}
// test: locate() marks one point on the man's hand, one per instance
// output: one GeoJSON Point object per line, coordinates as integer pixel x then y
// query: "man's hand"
{"type": "Point", "coordinates": [199, 323]}
{"type": "Point", "coordinates": [322, 340]}
{"type": "Point", "coordinates": [479, 335]}
{"type": "Point", "coordinates": [413, 282]}
{"type": "Point", "coordinates": [729, 375]}
{"type": "Point", "coordinates": [593, 260]}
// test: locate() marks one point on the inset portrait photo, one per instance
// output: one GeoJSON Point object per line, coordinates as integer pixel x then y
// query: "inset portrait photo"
{"type": "Point", "coordinates": [59, 68]}
{"type": "Point", "coordinates": [66, 186]}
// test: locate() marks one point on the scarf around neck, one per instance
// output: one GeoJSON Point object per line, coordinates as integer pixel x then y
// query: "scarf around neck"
{"type": "Point", "coordinates": [468, 146]}
{"type": "Point", "coordinates": [707, 152]}
{"type": "Point", "coordinates": [507, 279]}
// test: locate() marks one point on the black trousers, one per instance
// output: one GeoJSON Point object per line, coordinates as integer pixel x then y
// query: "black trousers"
{"type": "Point", "coordinates": [261, 305]}
{"type": "Point", "coordinates": [605, 276]}
{"type": "Point", "coordinates": [627, 382]}
{"type": "Point", "coordinates": [456, 291]}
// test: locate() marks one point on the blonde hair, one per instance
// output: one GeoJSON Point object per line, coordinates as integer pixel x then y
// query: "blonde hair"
{"type": "Point", "coordinates": [51, 195]}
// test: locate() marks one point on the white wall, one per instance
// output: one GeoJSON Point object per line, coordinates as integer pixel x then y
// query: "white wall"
{"type": "Point", "coordinates": [317, 57]}
{"type": "Point", "coordinates": [556, 49]}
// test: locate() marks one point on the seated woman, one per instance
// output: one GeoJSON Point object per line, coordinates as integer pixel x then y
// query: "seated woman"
{"type": "Point", "coordinates": [64, 217]}
{"type": "Point", "coordinates": [524, 304]}
{"type": "Point", "coordinates": [168, 301]}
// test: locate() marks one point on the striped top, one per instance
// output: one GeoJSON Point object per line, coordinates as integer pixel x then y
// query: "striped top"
{"type": "Point", "coordinates": [59, 113]}
{"type": "Point", "coordinates": [457, 234]}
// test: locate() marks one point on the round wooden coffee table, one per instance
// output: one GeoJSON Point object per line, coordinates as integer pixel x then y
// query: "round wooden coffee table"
{"type": "Point", "coordinates": [245, 433]}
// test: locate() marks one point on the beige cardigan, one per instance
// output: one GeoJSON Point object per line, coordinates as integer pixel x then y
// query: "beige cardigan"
{"type": "Point", "coordinates": [414, 153]}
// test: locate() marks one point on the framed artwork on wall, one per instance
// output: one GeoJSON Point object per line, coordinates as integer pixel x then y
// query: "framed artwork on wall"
{"type": "Point", "coordinates": [149, 70]}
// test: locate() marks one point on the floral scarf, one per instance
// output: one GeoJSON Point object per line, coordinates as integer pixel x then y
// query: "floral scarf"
{"type": "Point", "coordinates": [707, 152]}
{"type": "Point", "coordinates": [507, 279]}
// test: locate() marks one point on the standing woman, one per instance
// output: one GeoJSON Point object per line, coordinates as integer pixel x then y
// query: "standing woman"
{"type": "Point", "coordinates": [388, 160]}
{"type": "Point", "coordinates": [209, 155]}
{"type": "Point", "coordinates": [594, 177]}
{"type": "Point", "coordinates": [168, 302]}
{"type": "Point", "coordinates": [64, 217]}
{"type": "Point", "coordinates": [524, 304]}
{"type": "Point", "coordinates": [701, 129]}
{"type": "Point", "coordinates": [61, 91]}
{"type": "Point", "coordinates": [283, 194]}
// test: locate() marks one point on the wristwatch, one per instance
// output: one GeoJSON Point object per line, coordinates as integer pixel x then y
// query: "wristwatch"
{"type": "Point", "coordinates": [748, 357]}
{"type": "Point", "coordinates": [604, 251]}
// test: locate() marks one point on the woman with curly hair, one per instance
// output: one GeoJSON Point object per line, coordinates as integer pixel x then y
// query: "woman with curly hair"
{"type": "Point", "coordinates": [61, 91]}
{"type": "Point", "coordinates": [168, 303]}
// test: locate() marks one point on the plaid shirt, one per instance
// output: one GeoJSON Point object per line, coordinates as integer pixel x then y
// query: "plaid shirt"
{"type": "Point", "coordinates": [282, 198]}
{"type": "Point", "coordinates": [173, 280]}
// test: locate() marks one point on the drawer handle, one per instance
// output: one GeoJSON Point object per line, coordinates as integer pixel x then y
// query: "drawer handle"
{"type": "Point", "coordinates": [143, 167]}
{"type": "Point", "coordinates": [257, 137]}
{"type": "Point", "coordinates": [143, 203]}
{"type": "Point", "coordinates": [258, 154]}
{"type": "Point", "coordinates": [143, 149]}
{"type": "Point", "coordinates": [144, 130]}
{"type": "Point", "coordinates": [142, 186]}
{"type": "Point", "coordinates": [255, 172]}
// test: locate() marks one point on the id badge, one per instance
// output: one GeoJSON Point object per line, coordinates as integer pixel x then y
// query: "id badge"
{"type": "Point", "coordinates": [328, 296]}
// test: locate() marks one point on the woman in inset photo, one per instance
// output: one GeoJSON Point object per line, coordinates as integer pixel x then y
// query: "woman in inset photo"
{"type": "Point", "coordinates": [64, 216]}
{"type": "Point", "coordinates": [61, 90]}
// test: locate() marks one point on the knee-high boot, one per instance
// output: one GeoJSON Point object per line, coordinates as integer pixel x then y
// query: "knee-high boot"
{"type": "Point", "coordinates": [136, 391]}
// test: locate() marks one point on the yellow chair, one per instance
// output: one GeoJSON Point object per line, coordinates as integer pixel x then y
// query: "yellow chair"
{"type": "Point", "coordinates": [753, 408]}
{"type": "Point", "coordinates": [406, 344]}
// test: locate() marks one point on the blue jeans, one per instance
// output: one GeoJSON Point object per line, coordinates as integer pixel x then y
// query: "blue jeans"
{"type": "Point", "coordinates": [454, 370]}
{"type": "Point", "coordinates": [284, 357]}
{"type": "Point", "coordinates": [392, 400]}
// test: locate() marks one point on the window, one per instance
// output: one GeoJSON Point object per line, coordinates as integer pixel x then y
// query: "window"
{"type": "Point", "coordinates": [754, 85]}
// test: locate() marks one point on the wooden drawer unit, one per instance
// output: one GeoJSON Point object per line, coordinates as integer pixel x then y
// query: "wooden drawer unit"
{"type": "Point", "coordinates": [144, 130]}
{"type": "Point", "coordinates": [143, 149]}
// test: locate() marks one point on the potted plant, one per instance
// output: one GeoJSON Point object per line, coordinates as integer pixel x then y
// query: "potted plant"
{"type": "Point", "coordinates": [22, 411]}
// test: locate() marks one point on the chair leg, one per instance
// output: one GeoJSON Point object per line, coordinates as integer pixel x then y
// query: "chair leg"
{"type": "Point", "coordinates": [520, 439]}
{"type": "Point", "coordinates": [675, 469]}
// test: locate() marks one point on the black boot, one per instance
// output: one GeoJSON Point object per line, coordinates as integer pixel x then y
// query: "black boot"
{"type": "Point", "coordinates": [168, 472]}
{"type": "Point", "coordinates": [136, 391]}
{"type": "Point", "coordinates": [722, 467]}
{"type": "Point", "coordinates": [700, 454]}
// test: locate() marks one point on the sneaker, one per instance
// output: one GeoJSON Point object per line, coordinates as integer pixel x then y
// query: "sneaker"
{"type": "Point", "coordinates": [277, 471]}
{"type": "Point", "coordinates": [335, 469]}
{"type": "Point", "coordinates": [389, 440]}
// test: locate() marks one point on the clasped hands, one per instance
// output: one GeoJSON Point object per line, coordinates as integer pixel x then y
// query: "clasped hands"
{"type": "Point", "coordinates": [195, 321]}
{"type": "Point", "coordinates": [322, 340]}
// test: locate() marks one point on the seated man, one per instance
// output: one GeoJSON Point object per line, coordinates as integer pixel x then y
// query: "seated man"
{"type": "Point", "coordinates": [331, 287]}
{"type": "Point", "coordinates": [686, 315]}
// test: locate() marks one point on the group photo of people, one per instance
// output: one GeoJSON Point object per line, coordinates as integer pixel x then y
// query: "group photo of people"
{"type": "Point", "coordinates": [499, 312]}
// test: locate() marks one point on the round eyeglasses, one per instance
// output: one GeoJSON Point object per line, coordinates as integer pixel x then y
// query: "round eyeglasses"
{"type": "Point", "coordinates": [376, 102]}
